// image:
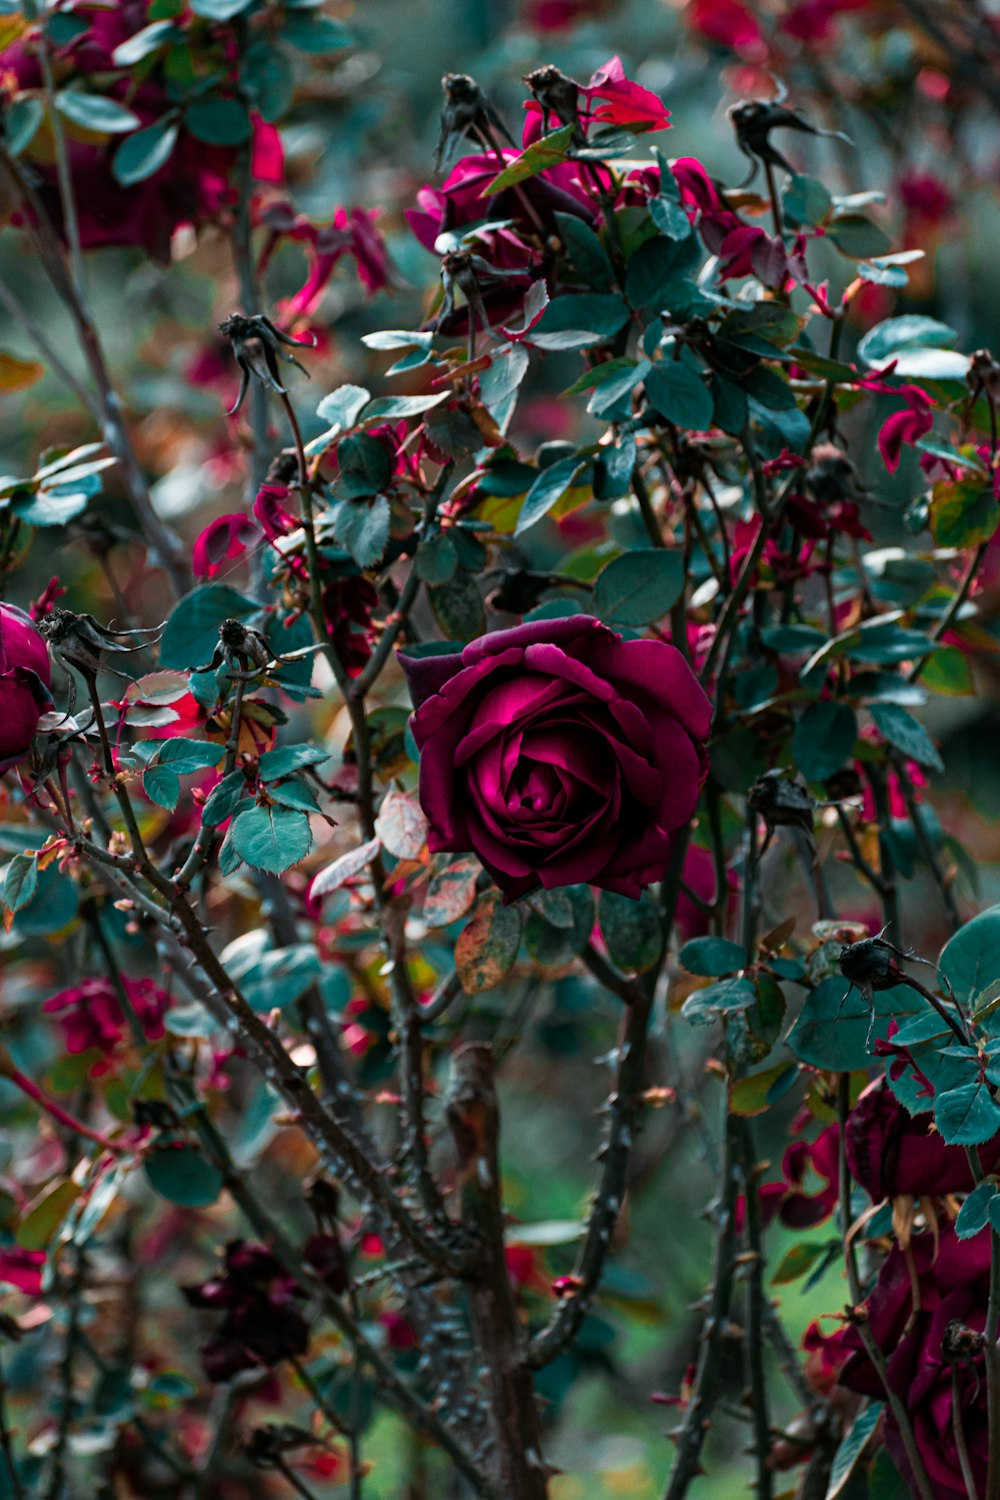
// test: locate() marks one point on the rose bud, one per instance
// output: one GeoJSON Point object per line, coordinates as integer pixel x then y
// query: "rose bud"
{"type": "Point", "coordinates": [559, 753]}
{"type": "Point", "coordinates": [25, 677]}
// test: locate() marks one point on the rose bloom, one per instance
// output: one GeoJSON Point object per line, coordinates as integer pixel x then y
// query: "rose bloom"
{"type": "Point", "coordinates": [25, 675]}
{"type": "Point", "coordinates": [559, 753]}
{"type": "Point", "coordinates": [926, 1345]}
{"type": "Point", "coordinates": [893, 1153]}
{"type": "Point", "coordinates": [91, 1018]}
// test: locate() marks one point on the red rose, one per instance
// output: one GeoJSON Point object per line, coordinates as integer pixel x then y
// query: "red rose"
{"type": "Point", "coordinates": [924, 1348]}
{"type": "Point", "coordinates": [893, 1153]}
{"type": "Point", "coordinates": [559, 753]}
{"type": "Point", "coordinates": [25, 675]}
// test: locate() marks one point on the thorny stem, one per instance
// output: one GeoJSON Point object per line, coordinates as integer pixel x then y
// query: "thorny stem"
{"type": "Point", "coordinates": [872, 1349]}
{"type": "Point", "coordinates": [756, 1301]}
{"type": "Point", "coordinates": [624, 1106]}
{"type": "Point", "coordinates": [642, 495]}
{"type": "Point", "coordinates": [7, 1443]}
{"type": "Point", "coordinates": [690, 1437]}
{"type": "Point", "coordinates": [57, 1473]}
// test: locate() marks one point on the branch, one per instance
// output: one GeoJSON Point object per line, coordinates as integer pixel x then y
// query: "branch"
{"type": "Point", "coordinates": [473, 1118]}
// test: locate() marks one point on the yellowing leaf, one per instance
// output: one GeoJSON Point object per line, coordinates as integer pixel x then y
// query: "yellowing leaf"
{"type": "Point", "coordinates": [18, 374]}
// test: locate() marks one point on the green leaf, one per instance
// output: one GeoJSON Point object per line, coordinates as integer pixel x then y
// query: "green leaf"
{"type": "Point", "coordinates": [457, 606]}
{"type": "Point", "coordinates": [436, 559]}
{"type": "Point", "coordinates": [162, 786]}
{"type": "Point", "coordinates": [395, 408]}
{"type": "Point", "coordinates": [549, 151]}
{"type": "Point", "coordinates": [789, 640]}
{"type": "Point", "coordinates": [50, 509]}
{"type": "Point", "coordinates": [183, 756]}
{"type": "Point", "coordinates": [141, 43]}
{"type": "Point", "coordinates": [947, 671]}
{"type": "Point", "coordinates": [182, 1175]}
{"type": "Point", "coordinates": [805, 200]}
{"type": "Point", "coordinates": [550, 486]}
{"type": "Point", "coordinates": [219, 121]}
{"type": "Point", "coordinates": [715, 1000]}
{"type": "Point", "coordinates": [343, 407]}
{"type": "Point", "coordinates": [964, 513]}
{"type": "Point", "coordinates": [364, 464]}
{"type": "Point", "coordinates": [192, 631]}
{"type": "Point", "coordinates": [974, 1215]}
{"type": "Point", "coordinates": [586, 252]}
{"type": "Point", "coordinates": [824, 738]}
{"type": "Point", "coordinates": [797, 1262]}
{"type": "Point", "coordinates": [609, 393]}
{"type": "Point", "coordinates": [487, 946]}
{"type": "Point", "coordinates": [758, 1091]}
{"type": "Point", "coordinates": [362, 528]}
{"type": "Point", "coordinates": [639, 586]}
{"type": "Point", "coordinates": [851, 1448]}
{"type": "Point", "coordinates": [51, 908]}
{"type": "Point", "coordinates": [913, 331]}
{"type": "Point", "coordinates": [968, 1115]}
{"type": "Point", "coordinates": [595, 316]}
{"type": "Point", "coordinates": [906, 733]}
{"type": "Point", "coordinates": [970, 960]}
{"type": "Point", "coordinates": [271, 838]}
{"type": "Point", "coordinates": [20, 882]}
{"type": "Point", "coordinates": [554, 946]}
{"type": "Point", "coordinates": [22, 118]}
{"type": "Point", "coordinates": [145, 152]}
{"type": "Point", "coordinates": [932, 364]}
{"type": "Point", "coordinates": [95, 112]}
{"type": "Point", "coordinates": [39, 1225]}
{"type": "Point", "coordinates": [654, 268]}
{"type": "Point", "coordinates": [272, 978]}
{"type": "Point", "coordinates": [680, 395]}
{"type": "Point", "coordinates": [832, 1030]}
{"type": "Point", "coordinates": [274, 764]}
{"type": "Point", "coordinates": [632, 931]}
{"type": "Point", "coordinates": [712, 956]}
{"type": "Point", "coordinates": [858, 238]}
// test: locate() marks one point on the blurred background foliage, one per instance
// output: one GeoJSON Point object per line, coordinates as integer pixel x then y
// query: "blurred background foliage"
{"type": "Point", "coordinates": [919, 106]}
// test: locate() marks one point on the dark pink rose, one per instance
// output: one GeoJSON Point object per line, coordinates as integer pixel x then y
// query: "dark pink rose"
{"type": "Point", "coordinates": [916, 1338]}
{"type": "Point", "coordinates": [224, 539]}
{"type": "Point", "coordinates": [559, 753]}
{"type": "Point", "coordinates": [25, 675]}
{"type": "Point", "coordinates": [91, 1018]}
{"type": "Point", "coordinates": [891, 1152]}
{"type": "Point", "coordinates": [22, 1268]}
{"type": "Point", "coordinates": [791, 1199]}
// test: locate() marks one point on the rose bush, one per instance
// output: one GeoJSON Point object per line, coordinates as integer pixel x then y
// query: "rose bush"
{"type": "Point", "coordinates": [560, 753]}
